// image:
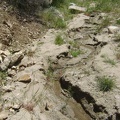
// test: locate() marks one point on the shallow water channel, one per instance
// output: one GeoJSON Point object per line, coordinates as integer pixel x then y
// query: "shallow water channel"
{"type": "Point", "coordinates": [79, 112]}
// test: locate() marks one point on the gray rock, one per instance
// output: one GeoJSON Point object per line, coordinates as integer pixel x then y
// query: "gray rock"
{"type": "Point", "coordinates": [113, 29]}
{"type": "Point", "coordinates": [11, 73]}
{"type": "Point", "coordinates": [17, 57]}
{"type": "Point", "coordinates": [77, 8]}
{"type": "Point", "coordinates": [5, 64]}
{"type": "Point", "coordinates": [6, 52]}
{"type": "Point", "coordinates": [16, 107]}
{"type": "Point", "coordinates": [3, 115]}
{"type": "Point", "coordinates": [8, 88]}
{"type": "Point", "coordinates": [11, 60]}
{"type": "Point", "coordinates": [77, 21]}
{"type": "Point", "coordinates": [22, 115]}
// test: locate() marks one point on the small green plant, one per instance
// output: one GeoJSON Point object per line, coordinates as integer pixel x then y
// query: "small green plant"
{"type": "Point", "coordinates": [3, 76]}
{"type": "Point", "coordinates": [75, 53]}
{"type": "Point", "coordinates": [74, 44]}
{"type": "Point", "coordinates": [118, 21]}
{"type": "Point", "coordinates": [52, 19]}
{"type": "Point", "coordinates": [108, 60]}
{"type": "Point", "coordinates": [60, 23]}
{"type": "Point", "coordinates": [104, 24]}
{"type": "Point", "coordinates": [59, 40]}
{"type": "Point", "coordinates": [105, 83]}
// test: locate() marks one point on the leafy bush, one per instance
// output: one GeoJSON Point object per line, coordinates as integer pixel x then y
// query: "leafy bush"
{"type": "Point", "coordinates": [105, 83]}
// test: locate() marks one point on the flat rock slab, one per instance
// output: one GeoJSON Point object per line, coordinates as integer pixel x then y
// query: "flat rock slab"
{"type": "Point", "coordinates": [3, 115]}
{"type": "Point", "coordinates": [25, 78]}
{"type": "Point", "coordinates": [77, 21]}
{"type": "Point", "coordinates": [77, 8]}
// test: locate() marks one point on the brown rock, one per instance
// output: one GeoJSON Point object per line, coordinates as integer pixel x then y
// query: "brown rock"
{"type": "Point", "coordinates": [25, 78]}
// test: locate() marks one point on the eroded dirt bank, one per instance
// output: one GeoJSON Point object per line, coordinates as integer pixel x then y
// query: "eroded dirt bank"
{"type": "Point", "coordinates": [47, 81]}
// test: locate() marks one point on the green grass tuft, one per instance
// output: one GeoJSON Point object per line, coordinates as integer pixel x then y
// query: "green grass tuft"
{"type": "Point", "coordinates": [75, 53]}
{"type": "Point", "coordinates": [108, 60]}
{"type": "Point", "coordinates": [3, 75]}
{"type": "Point", "coordinates": [105, 83]}
{"type": "Point", "coordinates": [59, 40]}
{"type": "Point", "coordinates": [60, 23]}
{"type": "Point", "coordinates": [118, 21]}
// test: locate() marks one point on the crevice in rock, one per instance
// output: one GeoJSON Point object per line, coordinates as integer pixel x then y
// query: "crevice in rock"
{"type": "Point", "coordinates": [117, 116]}
{"type": "Point", "coordinates": [85, 99]}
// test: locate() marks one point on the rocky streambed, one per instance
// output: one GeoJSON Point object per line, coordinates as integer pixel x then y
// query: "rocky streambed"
{"type": "Point", "coordinates": [48, 81]}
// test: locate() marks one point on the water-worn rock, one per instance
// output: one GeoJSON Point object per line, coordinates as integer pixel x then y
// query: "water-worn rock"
{"type": "Point", "coordinates": [77, 8]}
{"type": "Point", "coordinates": [11, 60]}
{"type": "Point", "coordinates": [5, 52]}
{"type": "Point", "coordinates": [3, 115]}
{"type": "Point", "coordinates": [25, 78]}
{"type": "Point", "coordinates": [17, 57]}
{"type": "Point", "coordinates": [77, 21]}
{"type": "Point", "coordinates": [113, 29]}
{"type": "Point", "coordinates": [16, 106]}
{"type": "Point", "coordinates": [4, 65]}
{"type": "Point", "coordinates": [8, 88]}
{"type": "Point", "coordinates": [22, 115]}
{"type": "Point", "coordinates": [11, 73]}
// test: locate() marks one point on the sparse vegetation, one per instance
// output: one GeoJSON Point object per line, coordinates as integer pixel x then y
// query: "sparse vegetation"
{"type": "Point", "coordinates": [118, 21]}
{"type": "Point", "coordinates": [108, 60]}
{"type": "Point", "coordinates": [59, 40]}
{"type": "Point", "coordinates": [52, 18]}
{"type": "Point", "coordinates": [104, 24]}
{"type": "Point", "coordinates": [105, 83]}
{"type": "Point", "coordinates": [60, 23]}
{"type": "Point", "coordinates": [104, 5]}
{"type": "Point", "coordinates": [74, 44]}
{"type": "Point", "coordinates": [3, 76]}
{"type": "Point", "coordinates": [75, 53]}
